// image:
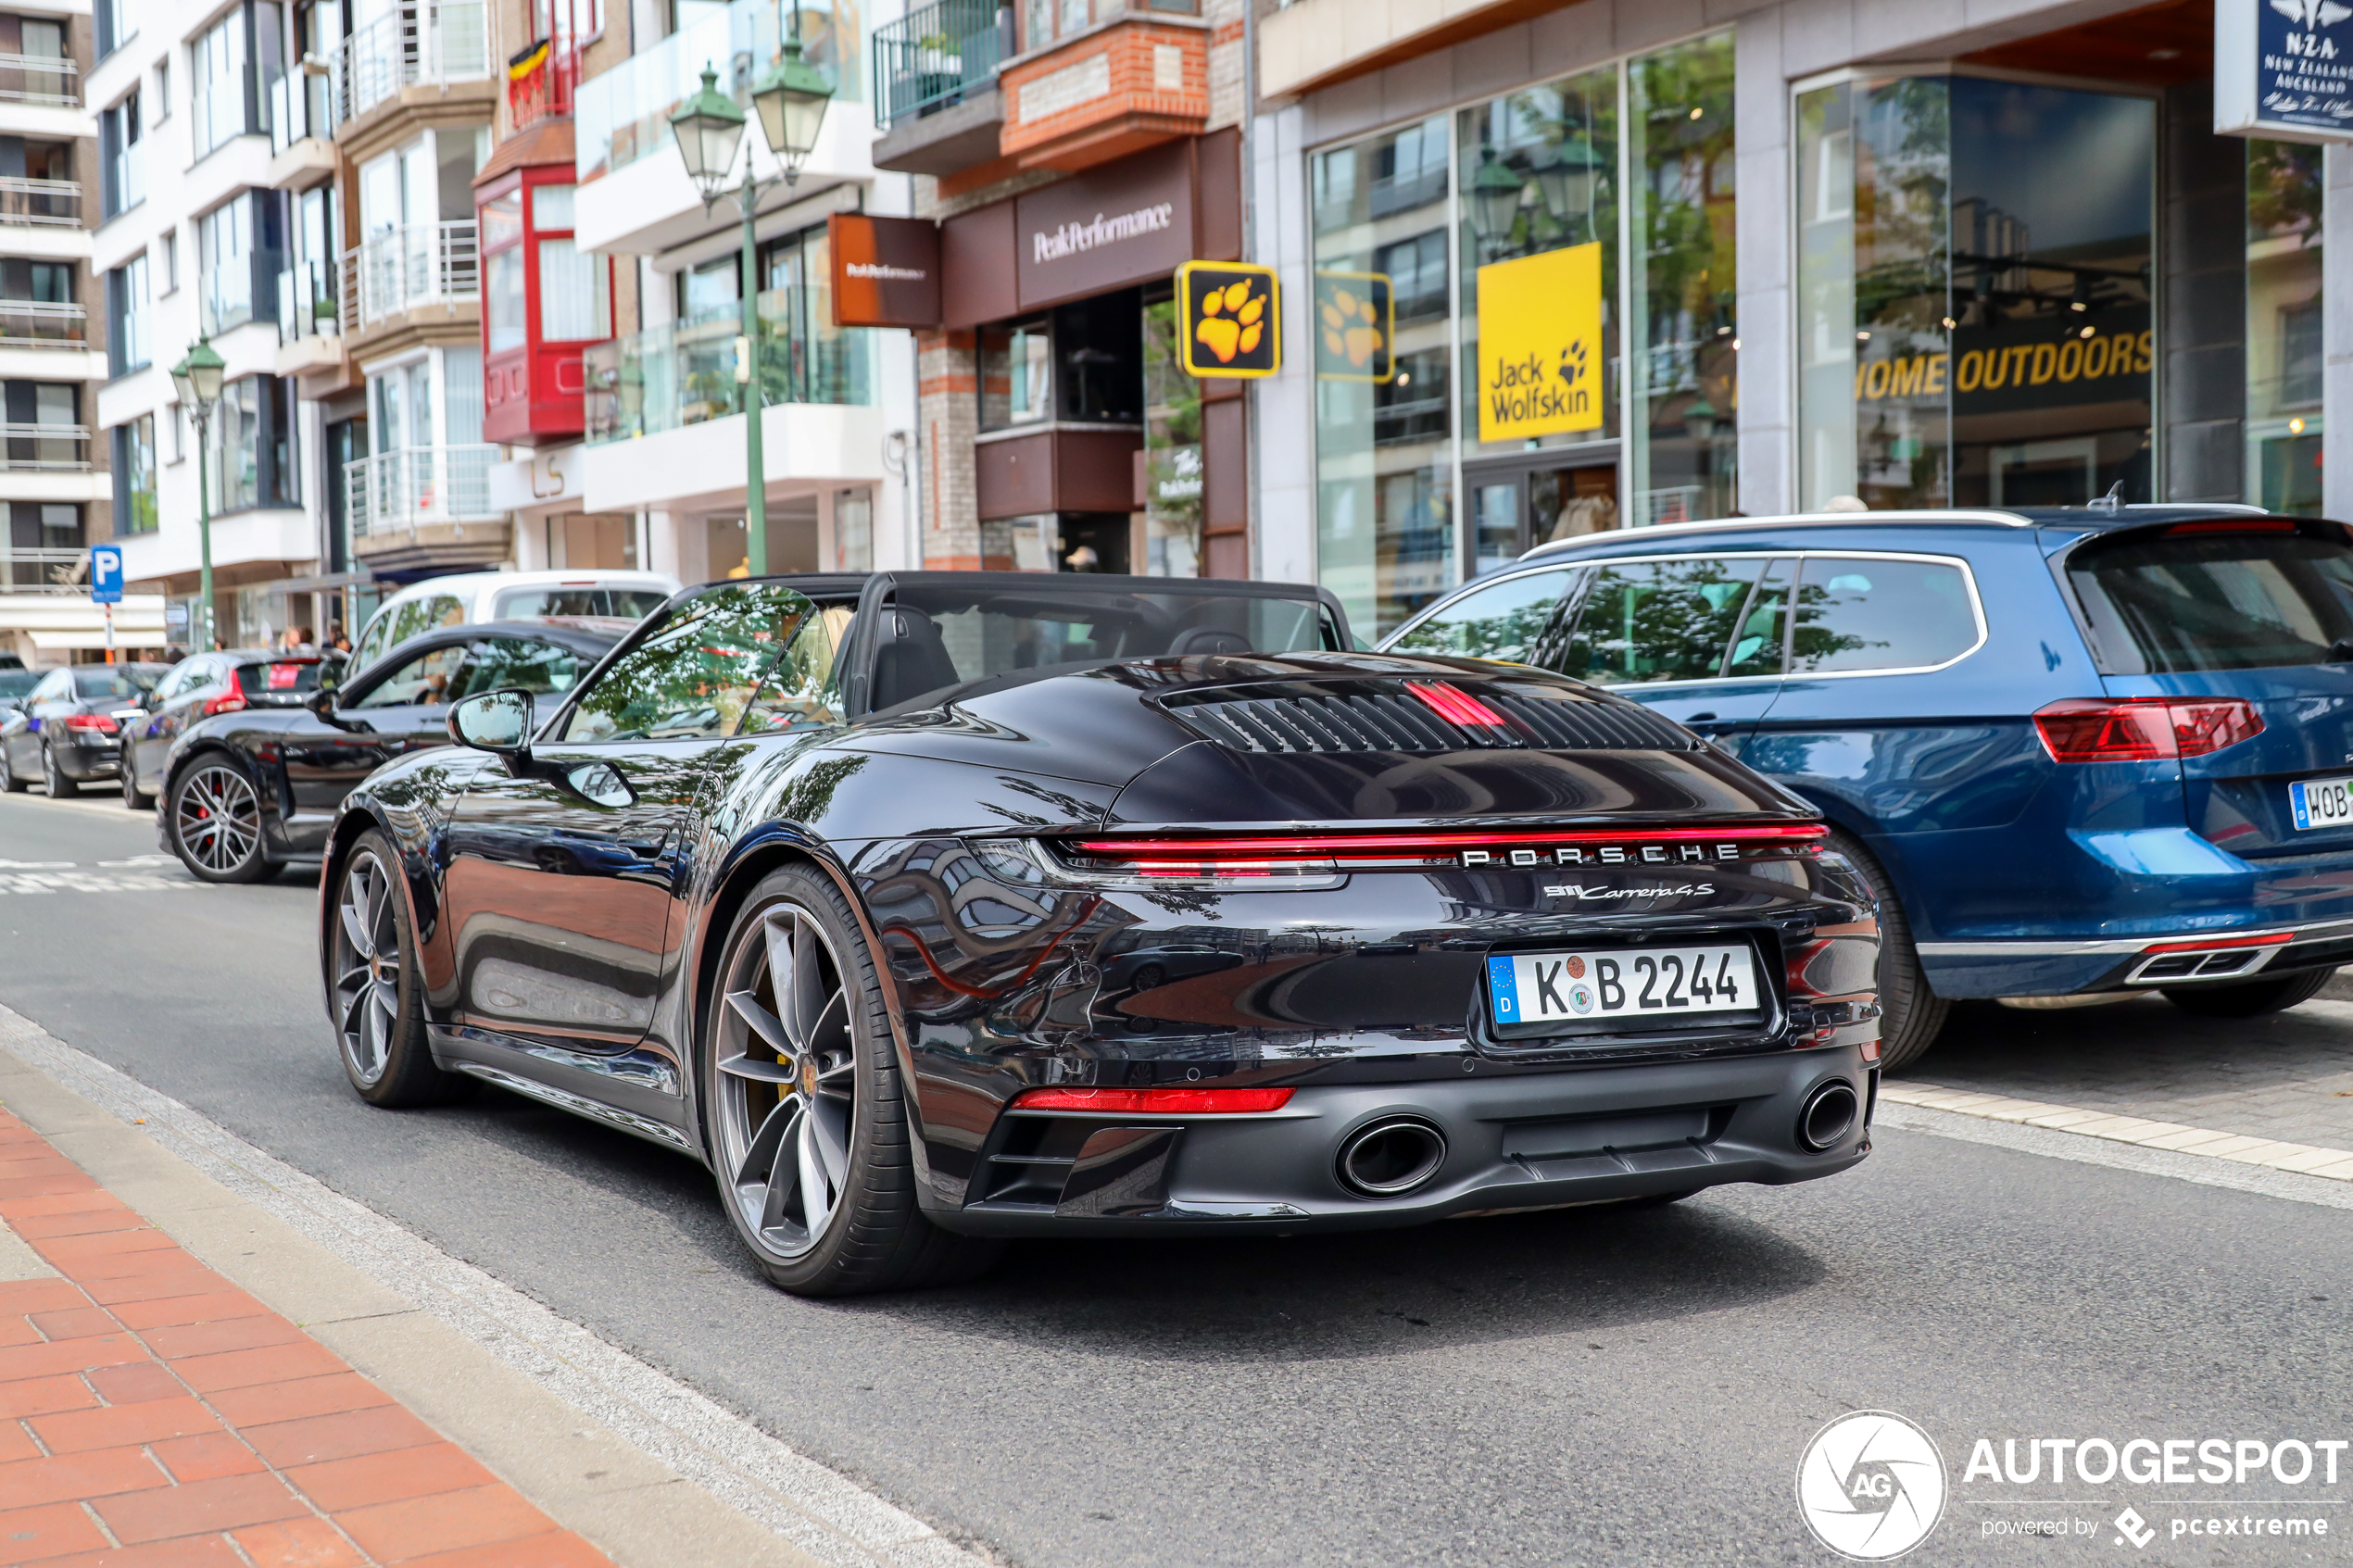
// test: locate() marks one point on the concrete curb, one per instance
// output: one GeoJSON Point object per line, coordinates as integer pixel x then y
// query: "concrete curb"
{"type": "Point", "coordinates": [652, 1471]}
{"type": "Point", "coordinates": [2332, 1164]}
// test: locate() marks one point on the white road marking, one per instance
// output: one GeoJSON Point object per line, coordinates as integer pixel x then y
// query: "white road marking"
{"type": "Point", "coordinates": [2335, 1164]}
{"type": "Point", "coordinates": [820, 1511]}
{"type": "Point", "coordinates": [37, 865]}
{"type": "Point", "coordinates": [145, 860]}
{"type": "Point", "coordinates": [89, 882]}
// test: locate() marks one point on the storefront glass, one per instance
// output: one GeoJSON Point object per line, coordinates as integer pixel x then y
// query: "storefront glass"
{"type": "Point", "coordinates": [1682, 380]}
{"type": "Point", "coordinates": [2284, 342]}
{"type": "Point", "coordinates": [1173, 471]}
{"type": "Point", "coordinates": [1385, 468]}
{"type": "Point", "coordinates": [1974, 260]}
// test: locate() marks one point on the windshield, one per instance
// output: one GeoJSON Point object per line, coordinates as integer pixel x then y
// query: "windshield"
{"type": "Point", "coordinates": [2221, 595]}
{"type": "Point", "coordinates": [103, 683]}
{"type": "Point", "coordinates": [15, 683]}
{"type": "Point", "coordinates": [970, 633]}
{"type": "Point", "coordinates": [629, 604]}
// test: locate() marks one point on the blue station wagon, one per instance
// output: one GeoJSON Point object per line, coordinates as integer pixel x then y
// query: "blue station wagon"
{"type": "Point", "coordinates": [2077, 750]}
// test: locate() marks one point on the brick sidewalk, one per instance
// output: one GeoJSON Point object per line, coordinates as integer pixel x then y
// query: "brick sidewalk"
{"type": "Point", "coordinates": [2288, 1076]}
{"type": "Point", "coordinates": [153, 1416]}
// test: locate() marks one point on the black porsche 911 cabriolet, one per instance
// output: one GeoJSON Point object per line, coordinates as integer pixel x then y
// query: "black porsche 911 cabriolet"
{"type": "Point", "coordinates": [933, 907]}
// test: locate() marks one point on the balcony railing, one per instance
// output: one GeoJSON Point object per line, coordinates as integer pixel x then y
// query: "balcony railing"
{"type": "Point", "coordinates": [418, 487]}
{"type": "Point", "coordinates": [623, 114]}
{"type": "Point", "coordinates": [55, 203]}
{"type": "Point", "coordinates": [935, 55]}
{"type": "Point", "coordinates": [307, 303]}
{"type": "Point", "coordinates": [402, 269]}
{"type": "Point", "coordinates": [44, 572]}
{"type": "Point", "coordinates": [421, 44]}
{"type": "Point", "coordinates": [667, 378]}
{"type": "Point", "coordinates": [44, 80]}
{"type": "Point", "coordinates": [34, 323]}
{"type": "Point", "coordinates": [57, 448]}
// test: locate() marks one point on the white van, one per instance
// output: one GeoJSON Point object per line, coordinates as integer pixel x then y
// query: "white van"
{"type": "Point", "coordinates": [503, 595]}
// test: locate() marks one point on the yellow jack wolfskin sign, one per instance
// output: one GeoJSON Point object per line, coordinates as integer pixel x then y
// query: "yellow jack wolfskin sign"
{"type": "Point", "coordinates": [1232, 319]}
{"type": "Point", "coordinates": [1539, 345]}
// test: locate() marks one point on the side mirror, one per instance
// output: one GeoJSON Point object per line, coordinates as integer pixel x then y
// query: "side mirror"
{"type": "Point", "coordinates": [498, 722]}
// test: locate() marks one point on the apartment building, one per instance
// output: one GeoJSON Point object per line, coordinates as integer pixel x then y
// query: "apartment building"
{"type": "Point", "coordinates": [1918, 255]}
{"type": "Point", "coordinates": [54, 349]}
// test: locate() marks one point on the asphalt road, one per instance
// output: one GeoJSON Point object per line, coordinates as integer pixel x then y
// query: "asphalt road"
{"type": "Point", "coordinates": [1568, 1387]}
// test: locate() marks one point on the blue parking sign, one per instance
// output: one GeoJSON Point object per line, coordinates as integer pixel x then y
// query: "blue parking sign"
{"type": "Point", "coordinates": [106, 574]}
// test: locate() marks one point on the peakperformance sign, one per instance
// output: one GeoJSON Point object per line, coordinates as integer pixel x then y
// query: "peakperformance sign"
{"type": "Point", "coordinates": [2283, 69]}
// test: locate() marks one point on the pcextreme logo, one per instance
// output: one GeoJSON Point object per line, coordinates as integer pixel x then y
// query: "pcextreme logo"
{"type": "Point", "coordinates": [1871, 1486]}
{"type": "Point", "coordinates": [1539, 345]}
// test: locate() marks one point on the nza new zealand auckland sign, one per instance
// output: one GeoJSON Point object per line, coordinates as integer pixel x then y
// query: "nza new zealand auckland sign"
{"type": "Point", "coordinates": [2283, 69]}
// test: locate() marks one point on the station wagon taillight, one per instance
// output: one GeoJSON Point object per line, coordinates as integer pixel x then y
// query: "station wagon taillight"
{"type": "Point", "coordinates": [231, 701]}
{"type": "Point", "coordinates": [2144, 729]}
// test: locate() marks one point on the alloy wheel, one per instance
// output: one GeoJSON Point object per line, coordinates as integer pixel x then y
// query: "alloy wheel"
{"type": "Point", "coordinates": [786, 1081]}
{"type": "Point", "coordinates": [128, 769]}
{"type": "Point", "coordinates": [216, 819]}
{"type": "Point", "coordinates": [366, 966]}
{"type": "Point", "coordinates": [51, 778]}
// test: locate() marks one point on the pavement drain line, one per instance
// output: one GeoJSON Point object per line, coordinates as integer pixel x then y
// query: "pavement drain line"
{"type": "Point", "coordinates": [811, 1506]}
{"type": "Point", "coordinates": [2028, 1138]}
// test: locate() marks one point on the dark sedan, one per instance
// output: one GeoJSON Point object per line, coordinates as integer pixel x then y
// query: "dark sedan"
{"type": "Point", "coordinates": [201, 685]}
{"type": "Point", "coordinates": [1006, 904]}
{"type": "Point", "coordinates": [255, 780]}
{"type": "Point", "coordinates": [69, 730]}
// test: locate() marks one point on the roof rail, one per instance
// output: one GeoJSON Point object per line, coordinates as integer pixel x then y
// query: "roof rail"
{"type": "Point", "coordinates": [2006, 519]}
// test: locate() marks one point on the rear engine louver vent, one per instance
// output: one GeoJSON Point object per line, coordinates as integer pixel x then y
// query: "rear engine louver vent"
{"type": "Point", "coordinates": [1362, 721]}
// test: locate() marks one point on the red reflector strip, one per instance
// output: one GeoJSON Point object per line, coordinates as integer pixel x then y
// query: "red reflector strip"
{"type": "Point", "coordinates": [2222, 942]}
{"type": "Point", "coordinates": [1347, 845]}
{"type": "Point", "coordinates": [1154, 1102]}
{"type": "Point", "coordinates": [1456, 706]}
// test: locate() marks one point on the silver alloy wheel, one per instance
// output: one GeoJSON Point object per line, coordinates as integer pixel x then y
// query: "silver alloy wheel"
{"type": "Point", "coordinates": [216, 819]}
{"type": "Point", "coordinates": [786, 1081]}
{"type": "Point", "coordinates": [51, 779]}
{"type": "Point", "coordinates": [366, 966]}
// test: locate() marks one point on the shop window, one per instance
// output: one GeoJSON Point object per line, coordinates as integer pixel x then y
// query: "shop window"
{"type": "Point", "coordinates": [1017, 375]}
{"type": "Point", "coordinates": [1384, 460]}
{"type": "Point", "coordinates": [1974, 306]}
{"type": "Point", "coordinates": [2283, 343]}
{"type": "Point", "coordinates": [1683, 374]}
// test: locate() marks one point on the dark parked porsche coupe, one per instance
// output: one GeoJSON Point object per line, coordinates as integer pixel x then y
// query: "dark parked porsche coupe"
{"type": "Point", "coordinates": [932, 907]}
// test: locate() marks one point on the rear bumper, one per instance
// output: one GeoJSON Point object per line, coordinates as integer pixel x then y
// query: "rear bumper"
{"type": "Point", "coordinates": [1512, 1142]}
{"type": "Point", "coordinates": [2064, 966]}
{"type": "Point", "coordinates": [86, 760]}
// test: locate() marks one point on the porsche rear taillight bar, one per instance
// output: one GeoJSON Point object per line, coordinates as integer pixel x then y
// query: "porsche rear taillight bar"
{"type": "Point", "coordinates": [1230, 856]}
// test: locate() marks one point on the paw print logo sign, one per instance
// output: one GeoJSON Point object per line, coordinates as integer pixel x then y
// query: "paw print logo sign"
{"type": "Point", "coordinates": [1232, 317]}
{"type": "Point", "coordinates": [1539, 345]}
{"type": "Point", "coordinates": [1355, 327]}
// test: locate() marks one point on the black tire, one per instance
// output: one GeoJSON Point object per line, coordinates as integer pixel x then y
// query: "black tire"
{"type": "Point", "coordinates": [374, 985]}
{"type": "Point", "coordinates": [9, 780]}
{"type": "Point", "coordinates": [60, 786]}
{"type": "Point", "coordinates": [133, 795]}
{"type": "Point", "coordinates": [214, 819]}
{"type": "Point", "coordinates": [2250, 998]}
{"type": "Point", "coordinates": [1911, 1015]}
{"type": "Point", "coordinates": [803, 1106]}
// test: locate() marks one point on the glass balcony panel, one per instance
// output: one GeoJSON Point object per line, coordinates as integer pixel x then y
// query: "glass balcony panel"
{"type": "Point", "coordinates": [667, 378]}
{"type": "Point", "coordinates": [44, 79]}
{"type": "Point", "coordinates": [39, 324]}
{"type": "Point", "coordinates": [41, 203]}
{"type": "Point", "coordinates": [416, 487]}
{"type": "Point", "coordinates": [624, 114]}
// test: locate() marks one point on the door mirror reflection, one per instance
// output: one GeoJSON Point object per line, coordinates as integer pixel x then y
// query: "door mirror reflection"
{"type": "Point", "coordinates": [494, 722]}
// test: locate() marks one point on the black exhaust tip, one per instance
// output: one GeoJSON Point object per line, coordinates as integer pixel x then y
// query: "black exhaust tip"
{"type": "Point", "coordinates": [1829, 1116]}
{"type": "Point", "coordinates": [1390, 1158]}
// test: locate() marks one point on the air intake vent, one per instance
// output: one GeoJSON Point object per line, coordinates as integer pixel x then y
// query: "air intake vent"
{"type": "Point", "coordinates": [1394, 718]}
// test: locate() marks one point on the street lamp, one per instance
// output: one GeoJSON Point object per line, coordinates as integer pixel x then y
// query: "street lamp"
{"type": "Point", "coordinates": [791, 100]}
{"type": "Point", "coordinates": [1495, 193]}
{"type": "Point", "coordinates": [197, 378]}
{"type": "Point", "coordinates": [1569, 178]}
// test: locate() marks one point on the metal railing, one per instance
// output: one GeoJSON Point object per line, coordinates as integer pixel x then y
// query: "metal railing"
{"type": "Point", "coordinates": [418, 487]}
{"type": "Point", "coordinates": [44, 572]}
{"type": "Point", "coordinates": [46, 80]}
{"type": "Point", "coordinates": [421, 44]}
{"type": "Point", "coordinates": [935, 55]}
{"type": "Point", "coordinates": [54, 447]}
{"type": "Point", "coordinates": [34, 323]}
{"type": "Point", "coordinates": [46, 202]}
{"type": "Point", "coordinates": [667, 378]}
{"type": "Point", "coordinates": [402, 269]}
